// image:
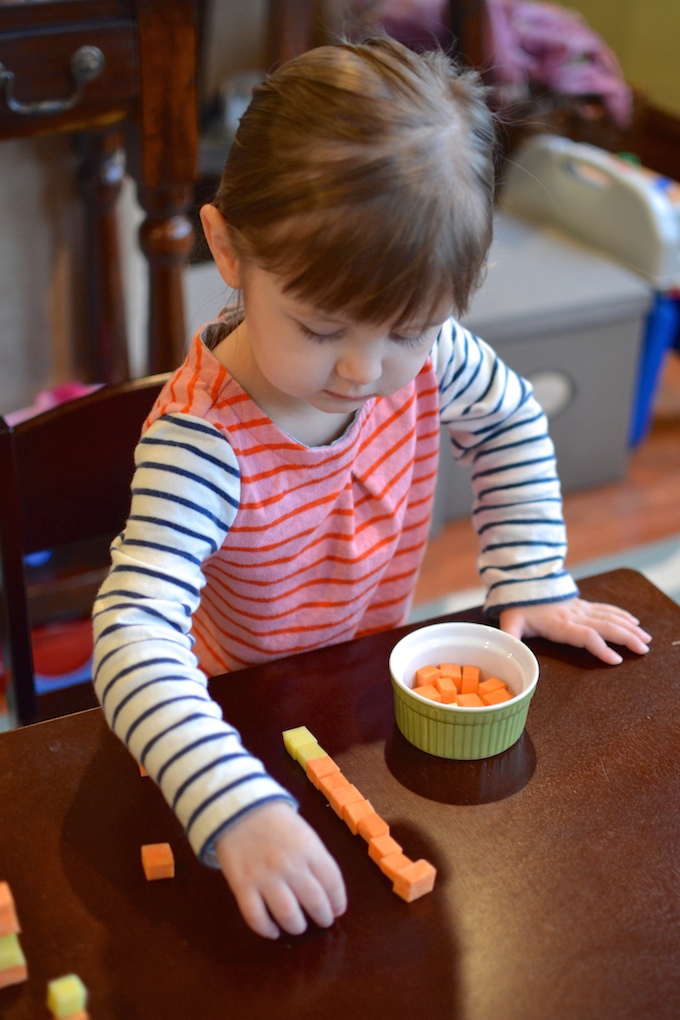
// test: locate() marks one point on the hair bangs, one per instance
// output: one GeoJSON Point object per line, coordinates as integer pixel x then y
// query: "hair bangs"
{"type": "Point", "coordinates": [376, 266]}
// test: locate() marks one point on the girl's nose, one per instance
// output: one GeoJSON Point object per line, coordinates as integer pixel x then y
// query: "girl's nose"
{"type": "Point", "coordinates": [360, 367]}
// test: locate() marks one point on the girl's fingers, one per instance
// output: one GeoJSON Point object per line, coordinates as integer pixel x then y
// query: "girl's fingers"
{"type": "Point", "coordinates": [326, 870]}
{"type": "Point", "coordinates": [284, 906]}
{"type": "Point", "coordinates": [313, 898]}
{"type": "Point", "coordinates": [255, 914]}
{"type": "Point", "coordinates": [614, 614]}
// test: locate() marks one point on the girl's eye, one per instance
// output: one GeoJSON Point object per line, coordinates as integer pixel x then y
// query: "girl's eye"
{"type": "Point", "coordinates": [319, 337]}
{"type": "Point", "coordinates": [409, 341]}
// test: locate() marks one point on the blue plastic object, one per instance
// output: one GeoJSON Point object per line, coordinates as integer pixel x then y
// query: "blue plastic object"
{"type": "Point", "coordinates": [661, 333]}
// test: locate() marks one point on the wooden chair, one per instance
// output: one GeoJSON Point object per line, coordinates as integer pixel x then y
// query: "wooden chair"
{"type": "Point", "coordinates": [65, 487]}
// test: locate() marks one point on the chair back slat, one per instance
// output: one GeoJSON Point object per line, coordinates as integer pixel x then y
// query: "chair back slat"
{"type": "Point", "coordinates": [64, 478]}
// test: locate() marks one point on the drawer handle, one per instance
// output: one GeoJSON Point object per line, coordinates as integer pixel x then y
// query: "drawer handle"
{"type": "Point", "coordinates": [87, 63]}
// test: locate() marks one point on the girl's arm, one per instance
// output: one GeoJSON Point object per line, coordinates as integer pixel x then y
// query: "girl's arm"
{"type": "Point", "coordinates": [185, 494]}
{"type": "Point", "coordinates": [499, 429]}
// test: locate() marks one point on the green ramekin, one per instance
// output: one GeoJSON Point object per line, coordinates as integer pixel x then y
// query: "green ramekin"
{"type": "Point", "coordinates": [449, 731]}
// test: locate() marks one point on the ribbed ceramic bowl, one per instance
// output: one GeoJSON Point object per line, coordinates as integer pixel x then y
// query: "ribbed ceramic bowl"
{"type": "Point", "coordinates": [447, 730]}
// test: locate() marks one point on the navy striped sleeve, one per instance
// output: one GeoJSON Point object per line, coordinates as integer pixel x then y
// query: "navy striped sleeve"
{"type": "Point", "coordinates": [498, 428]}
{"type": "Point", "coordinates": [185, 495]}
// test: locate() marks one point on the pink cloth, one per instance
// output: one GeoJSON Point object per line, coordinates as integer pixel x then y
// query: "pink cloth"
{"type": "Point", "coordinates": [544, 42]}
{"type": "Point", "coordinates": [47, 399]}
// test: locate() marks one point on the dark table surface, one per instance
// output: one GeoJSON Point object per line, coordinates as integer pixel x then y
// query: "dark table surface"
{"type": "Point", "coordinates": [558, 875]}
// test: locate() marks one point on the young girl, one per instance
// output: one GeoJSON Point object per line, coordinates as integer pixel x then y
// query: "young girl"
{"type": "Point", "coordinates": [285, 476]}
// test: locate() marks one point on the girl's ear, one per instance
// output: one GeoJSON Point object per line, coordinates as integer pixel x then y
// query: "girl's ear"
{"type": "Point", "coordinates": [219, 242]}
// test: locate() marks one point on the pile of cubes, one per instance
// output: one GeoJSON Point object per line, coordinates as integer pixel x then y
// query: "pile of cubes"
{"type": "Point", "coordinates": [66, 996]}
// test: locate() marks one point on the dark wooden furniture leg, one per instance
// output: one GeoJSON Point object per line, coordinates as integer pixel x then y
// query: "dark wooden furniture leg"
{"type": "Point", "coordinates": [102, 169]}
{"type": "Point", "coordinates": [290, 29]}
{"type": "Point", "coordinates": [467, 21]}
{"type": "Point", "coordinates": [168, 46]}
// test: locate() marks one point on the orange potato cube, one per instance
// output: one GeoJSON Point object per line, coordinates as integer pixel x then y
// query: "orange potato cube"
{"type": "Point", "coordinates": [158, 861]}
{"type": "Point", "coordinates": [392, 864]}
{"type": "Point", "coordinates": [415, 880]}
{"type": "Point", "coordinates": [321, 768]}
{"type": "Point", "coordinates": [470, 681]}
{"type": "Point", "coordinates": [340, 796]}
{"type": "Point", "coordinates": [469, 701]}
{"type": "Point", "coordinates": [496, 697]}
{"type": "Point", "coordinates": [372, 825]}
{"type": "Point", "coordinates": [425, 675]}
{"type": "Point", "coordinates": [142, 770]}
{"type": "Point", "coordinates": [451, 669]}
{"type": "Point", "coordinates": [13, 975]}
{"type": "Point", "coordinates": [327, 783]}
{"type": "Point", "coordinates": [453, 672]}
{"type": "Point", "coordinates": [381, 846]}
{"type": "Point", "coordinates": [447, 688]}
{"type": "Point", "coordinates": [354, 812]}
{"type": "Point", "coordinates": [9, 922]}
{"type": "Point", "coordinates": [492, 684]}
{"type": "Point", "coordinates": [429, 691]}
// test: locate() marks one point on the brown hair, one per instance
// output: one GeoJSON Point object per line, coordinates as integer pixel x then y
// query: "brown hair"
{"type": "Point", "coordinates": [362, 175]}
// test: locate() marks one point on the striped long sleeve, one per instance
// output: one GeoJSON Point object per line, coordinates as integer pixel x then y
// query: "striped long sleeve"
{"type": "Point", "coordinates": [497, 427]}
{"type": "Point", "coordinates": [184, 498]}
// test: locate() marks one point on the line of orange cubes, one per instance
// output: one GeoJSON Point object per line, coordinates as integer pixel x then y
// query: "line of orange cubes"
{"type": "Point", "coordinates": [410, 879]}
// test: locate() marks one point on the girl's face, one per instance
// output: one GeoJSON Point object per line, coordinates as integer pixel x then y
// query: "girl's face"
{"type": "Point", "coordinates": [297, 357]}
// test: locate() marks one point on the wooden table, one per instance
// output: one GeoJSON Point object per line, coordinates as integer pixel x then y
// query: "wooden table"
{"type": "Point", "coordinates": [95, 68]}
{"type": "Point", "coordinates": [557, 893]}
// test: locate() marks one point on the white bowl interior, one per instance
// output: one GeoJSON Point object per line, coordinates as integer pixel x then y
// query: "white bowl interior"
{"type": "Point", "coordinates": [468, 644]}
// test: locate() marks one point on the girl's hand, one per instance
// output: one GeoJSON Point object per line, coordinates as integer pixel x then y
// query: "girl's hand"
{"type": "Point", "coordinates": [582, 624]}
{"type": "Point", "coordinates": [278, 869]}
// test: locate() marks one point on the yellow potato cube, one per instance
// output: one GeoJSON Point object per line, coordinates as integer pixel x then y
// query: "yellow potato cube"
{"type": "Point", "coordinates": [297, 737]}
{"type": "Point", "coordinates": [66, 995]}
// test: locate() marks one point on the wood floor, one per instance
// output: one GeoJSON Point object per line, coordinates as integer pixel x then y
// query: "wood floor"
{"type": "Point", "coordinates": [644, 506]}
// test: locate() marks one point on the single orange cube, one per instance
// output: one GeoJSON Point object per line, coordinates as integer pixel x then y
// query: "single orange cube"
{"type": "Point", "coordinates": [447, 688]}
{"type": "Point", "coordinates": [340, 796]}
{"type": "Point", "coordinates": [451, 669]}
{"type": "Point", "coordinates": [372, 825]}
{"type": "Point", "coordinates": [320, 768]}
{"type": "Point", "coordinates": [329, 782]}
{"type": "Point", "coordinates": [9, 922]}
{"type": "Point", "coordinates": [453, 673]}
{"type": "Point", "coordinates": [381, 846]}
{"type": "Point", "coordinates": [425, 675]}
{"type": "Point", "coordinates": [158, 861]}
{"type": "Point", "coordinates": [13, 975]}
{"type": "Point", "coordinates": [492, 684]}
{"type": "Point", "coordinates": [470, 681]}
{"type": "Point", "coordinates": [142, 770]}
{"type": "Point", "coordinates": [496, 697]}
{"type": "Point", "coordinates": [392, 864]}
{"type": "Point", "coordinates": [415, 880]}
{"type": "Point", "coordinates": [354, 812]}
{"type": "Point", "coordinates": [429, 691]}
{"type": "Point", "coordinates": [469, 701]}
